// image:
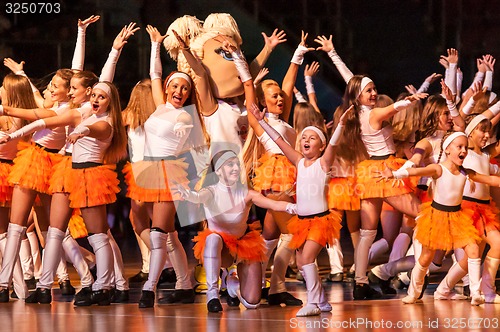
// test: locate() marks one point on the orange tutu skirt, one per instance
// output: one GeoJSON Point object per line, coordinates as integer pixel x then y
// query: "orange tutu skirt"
{"type": "Point", "coordinates": [275, 173]}
{"type": "Point", "coordinates": [342, 194]}
{"type": "Point", "coordinates": [33, 167]}
{"type": "Point", "coordinates": [485, 216]}
{"type": "Point", "coordinates": [60, 176]}
{"type": "Point", "coordinates": [76, 225]}
{"type": "Point", "coordinates": [249, 248]}
{"type": "Point", "coordinates": [93, 186]}
{"type": "Point", "coordinates": [5, 187]}
{"type": "Point", "coordinates": [372, 187]}
{"type": "Point", "coordinates": [442, 230]}
{"type": "Point", "coordinates": [150, 181]}
{"type": "Point", "coordinates": [320, 229]}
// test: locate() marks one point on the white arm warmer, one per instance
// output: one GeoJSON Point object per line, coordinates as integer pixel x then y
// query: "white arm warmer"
{"type": "Point", "coordinates": [424, 87]}
{"type": "Point", "coordinates": [269, 130]}
{"type": "Point", "coordinates": [450, 77]}
{"type": "Point", "coordinates": [468, 106]}
{"type": "Point", "coordinates": [28, 129]}
{"type": "Point", "coordinates": [79, 54]}
{"type": "Point", "coordinates": [291, 208]}
{"type": "Point", "coordinates": [81, 130]}
{"type": "Point", "coordinates": [400, 174]}
{"type": "Point", "coordinates": [407, 164]}
{"type": "Point", "coordinates": [300, 98]}
{"type": "Point", "coordinates": [401, 105]}
{"type": "Point", "coordinates": [341, 66]}
{"type": "Point", "coordinates": [460, 78]}
{"type": "Point", "coordinates": [494, 169]}
{"type": "Point", "coordinates": [155, 69]}
{"type": "Point", "coordinates": [108, 71]}
{"type": "Point", "coordinates": [477, 78]}
{"type": "Point", "coordinates": [241, 65]}
{"type": "Point", "coordinates": [488, 80]}
{"type": "Point", "coordinates": [453, 108]}
{"type": "Point", "coordinates": [309, 84]}
{"type": "Point", "coordinates": [495, 109]}
{"type": "Point", "coordinates": [337, 134]}
{"type": "Point", "coordinates": [298, 55]}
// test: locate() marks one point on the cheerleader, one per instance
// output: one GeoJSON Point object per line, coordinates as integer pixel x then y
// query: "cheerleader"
{"type": "Point", "coordinates": [443, 224]}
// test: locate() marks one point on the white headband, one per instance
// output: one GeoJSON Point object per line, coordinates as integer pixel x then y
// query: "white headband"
{"type": "Point", "coordinates": [179, 75]}
{"type": "Point", "coordinates": [104, 87]}
{"type": "Point", "coordinates": [473, 124]}
{"type": "Point", "coordinates": [492, 97]}
{"type": "Point", "coordinates": [450, 138]}
{"type": "Point", "coordinates": [317, 131]}
{"type": "Point", "coordinates": [364, 82]}
{"type": "Point", "coordinates": [223, 158]}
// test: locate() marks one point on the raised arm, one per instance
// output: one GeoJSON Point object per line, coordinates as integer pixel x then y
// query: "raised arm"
{"type": "Point", "coordinates": [379, 115]}
{"type": "Point", "coordinates": [458, 121]}
{"type": "Point", "coordinates": [18, 69]}
{"type": "Point", "coordinates": [330, 151]}
{"type": "Point", "coordinates": [309, 72]}
{"type": "Point", "coordinates": [489, 62]}
{"type": "Point", "coordinates": [155, 68]}
{"type": "Point", "coordinates": [108, 71]}
{"type": "Point", "coordinates": [79, 54]}
{"type": "Point", "coordinates": [450, 76]}
{"type": "Point", "coordinates": [327, 46]}
{"type": "Point", "coordinates": [427, 82]}
{"type": "Point", "coordinates": [270, 43]}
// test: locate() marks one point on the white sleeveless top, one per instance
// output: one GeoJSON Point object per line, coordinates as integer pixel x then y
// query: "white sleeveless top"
{"type": "Point", "coordinates": [85, 111]}
{"type": "Point", "coordinates": [89, 149]}
{"type": "Point", "coordinates": [377, 142]}
{"type": "Point", "coordinates": [226, 211]}
{"type": "Point", "coordinates": [311, 188]}
{"type": "Point", "coordinates": [136, 143]}
{"type": "Point", "coordinates": [449, 188]}
{"type": "Point", "coordinates": [283, 128]}
{"type": "Point", "coordinates": [481, 164]}
{"type": "Point", "coordinates": [435, 142]}
{"type": "Point", "coordinates": [161, 140]}
{"type": "Point", "coordinates": [52, 138]}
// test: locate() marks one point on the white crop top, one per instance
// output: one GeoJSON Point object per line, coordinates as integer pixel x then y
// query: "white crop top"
{"type": "Point", "coordinates": [285, 130]}
{"type": "Point", "coordinates": [481, 164]}
{"type": "Point", "coordinates": [85, 111]}
{"type": "Point", "coordinates": [227, 211]}
{"type": "Point", "coordinates": [89, 149]}
{"type": "Point", "coordinates": [377, 142]}
{"type": "Point", "coordinates": [52, 138]}
{"type": "Point", "coordinates": [449, 188]}
{"type": "Point", "coordinates": [136, 143]}
{"type": "Point", "coordinates": [161, 140]}
{"type": "Point", "coordinates": [311, 188]}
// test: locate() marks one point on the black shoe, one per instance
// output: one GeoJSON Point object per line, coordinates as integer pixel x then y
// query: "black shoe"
{"type": "Point", "coordinates": [147, 299]}
{"type": "Point", "coordinates": [13, 295]}
{"type": "Point", "coordinates": [335, 277]}
{"type": "Point", "coordinates": [223, 293]}
{"type": "Point", "coordinates": [101, 297]}
{"type": "Point", "coordinates": [120, 296]}
{"type": "Point", "coordinates": [4, 295]}
{"type": "Point", "coordinates": [365, 292]}
{"type": "Point", "coordinates": [41, 295]}
{"type": "Point", "coordinates": [466, 291]}
{"type": "Point", "coordinates": [167, 275]}
{"type": "Point", "coordinates": [285, 298]}
{"type": "Point", "coordinates": [385, 285]}
{"type": "Point", "coordinates": [139, 277]}
{"type": "Point", "coordinates": [66, 288]}
{"type": "Point", "coordinates": [214, 305]}
{"type": "Point", "coordinates": [264, 293]}
{"type": "Point", "coordinates": [399, 284]}
{"type": "Point", "coordinates": [31, 283]}
{"type": "Point", "coordinates": [232, 301]}
{"type": "Point", "coordinates": [290, 273]}
{"type": "Point", "coordinates": [84, 297]}
{"type": "Point", "coordinates": [178, 296]}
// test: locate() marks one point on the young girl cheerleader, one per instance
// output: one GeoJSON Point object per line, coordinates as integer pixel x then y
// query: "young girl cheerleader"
{"type": "Point", "coordinates": [476, 196]}
{"type": "Point", "coordinates": [443, 224]}
{"type": "Point", "coordinates": [228, 238]}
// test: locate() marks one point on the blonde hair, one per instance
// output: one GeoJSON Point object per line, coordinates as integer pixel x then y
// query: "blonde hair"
{"type": "Point", "coordinates": [188, 28]}
{"type": "Point", "coordinates": [19, 93]}
{"type": "Point", "coordinates": [406, 122]}
{"type": "Point", "coordinates": [140, 106]}
{"type": "Point", "coordinates": [305, 115]}
{"type": "Point", "coordinates": [216, 21]}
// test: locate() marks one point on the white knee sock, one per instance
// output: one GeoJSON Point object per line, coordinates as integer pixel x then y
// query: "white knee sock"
{"type": "Point", "coordinates": [444, 291]}
{"type": "Point", "coordinates": [336, 258]}
{"type": "Point", "coordinates": [281, 260]}
{"type": "Point", "coordinates": [361, 259]}
{"type": "Point", "coordinates": [270, 245]}
{"type": "Point", "coordinates": [355, 241]}
{"type": "Point", "coordinates": [51, 257]}
{"type": "Point", "coordinates": [158, 242]}
{"type": "Point", "coordinates": [74, 255]}
{"type": "Point", "coordinates": [145, 253]}
{"type": "Point", "coordinates": [179, 261]}
{"type": "Point", "coordinates": [88, 256]}
{"type": "Point", "coordinates": [474, 265]}
{"type": "Point", "coordinates": [120, 282]}
{"type": "Point", "coordinates": [488, 288]}
{"type": "Point", "coordinates": [416, 284]}
{"type": "Point", "coordinates": [18, 279]}
{"type": "Point", "coordinates": [313, 284]}
{"type": "Point", "coordinates": [26, 259]}
{"type": "Point", "coordinates": [104, 261]}
{"type": "Point", "coordinates": [212, 264]}
{"type": "Point", "coordinates": [11, 253]}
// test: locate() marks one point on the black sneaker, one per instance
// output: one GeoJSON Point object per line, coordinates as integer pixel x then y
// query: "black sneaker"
{"type": "Point", "coordinates": [214, 305]}
{"type": "Point", "coordinates": [120, 296]}
{"type": "Point", "coordinates": [385, 285]}
{"type": "Point", "coordinates": [466, 291]}
{"type": "Point", "coordinates": [101, 297]}
{"type": "Point", "coordinates": [4, 295]}
{"type": "Point", "coordinates": [31, 283]}
{"type": "Point", "coordinates": [138, 278]}
{"type": "Point", "coordinates": [147, 299]}
{"type": "Point", "coordinates": [167, 275]}
{"type": "Point", "coordinates": [365, 292]}
{"type": "Point", "coordinates": [66, 288]}
{"type": "Point", "coordinates": [233, 301]}
{"type": "Point", "coordinates": [178, 296]}
{"type": "Point", "coordinates": [84, 297]}
{"type": "Point", "coordinates": [41, 295]}
{"type": "Point", "coordinates": [283, 298]}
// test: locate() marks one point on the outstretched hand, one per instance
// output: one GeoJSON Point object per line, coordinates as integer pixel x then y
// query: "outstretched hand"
{"type": "Point", "coordinates": [262, 73]}
{"type": "Point", "coordinates": [417, 96]}
{"type": "Point", "coordinates": [385, 174]}
{"type": "Point", "coordinates": [274, 39]}
{"type": "Point", "coordinates": [85, 23]}
{"type": "Point", "coordinates": [312, 69]}
{"type": "Point", "coordinates": [4, 137]}
{"type": "Point", "coordinates": [256, 112]}
{"type": "Point", "coordinates": [303, 39]}
{"type": "Point", "coordinates": [13, 66]}
{"type": "Point", "coordinates": [154, 34]}
{"type": "Point", "coordinates": [446, 91]}
{"type": "Point", "coordinates": [326, 44]}
{"type": "Point", "coordinates": [181, 41]}
{"type": "Point", "coordinates": [347, 114]}
{"type": "Point", "coordinates": [124, 35]}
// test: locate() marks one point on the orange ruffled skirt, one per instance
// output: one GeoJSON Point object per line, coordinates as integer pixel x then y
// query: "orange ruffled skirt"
{"type": "Point", "coordinates": [33, 167]}
{"type": "Point", "coordinates": [60, 176]}
{"type": "Point", "coordinates": [93, 186]}
{"type": "Point", "coordinates": [275, 173]}
{"type": "Point", "coordinates": [342, 194]}
{"type": "Point", "coordinates": [485, 216]}
{"type": "Point", "coordinates": [369, 186]}
{"type": "Point", "coordinates": [76, 225]}
{"type": "Point", "coordinates": [5, 187]}
{"type": "Point", "coordinates": [150, 181]}
{"type": "Point", "coordinates": [249, 248]}
{"type": "Point", "coordinates": [322, 230]}
{"type": "Point", "coordinates": [442, 230]}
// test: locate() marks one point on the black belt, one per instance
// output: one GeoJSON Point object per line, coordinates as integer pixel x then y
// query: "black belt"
{"type": "Point", "coordinates": [445, 208]}
{"type": "Point", "coordinates": [321, 214]}
{"type": "Point", "coordinates": [7, 161]}
{"type": "Point", "coordinates": [475, 200]}
{"type": "Point", "coordinates": [68, 154]}
{"type": "Point", "coordinates": [423, 187]}
{"type": "Point", "coordinates": [387, 156]}
{"type": "Point", "coordinates": [47, 149]}
{"type": "Point", "coordinates": [87, 164]}
{"type": "Point", "coordinates": [150, 158]}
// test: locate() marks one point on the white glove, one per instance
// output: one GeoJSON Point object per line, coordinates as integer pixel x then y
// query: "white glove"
{"type": "Point", "coordinates": [291, 208]}
{"type": "Point", "coordinates": [180, 129]}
